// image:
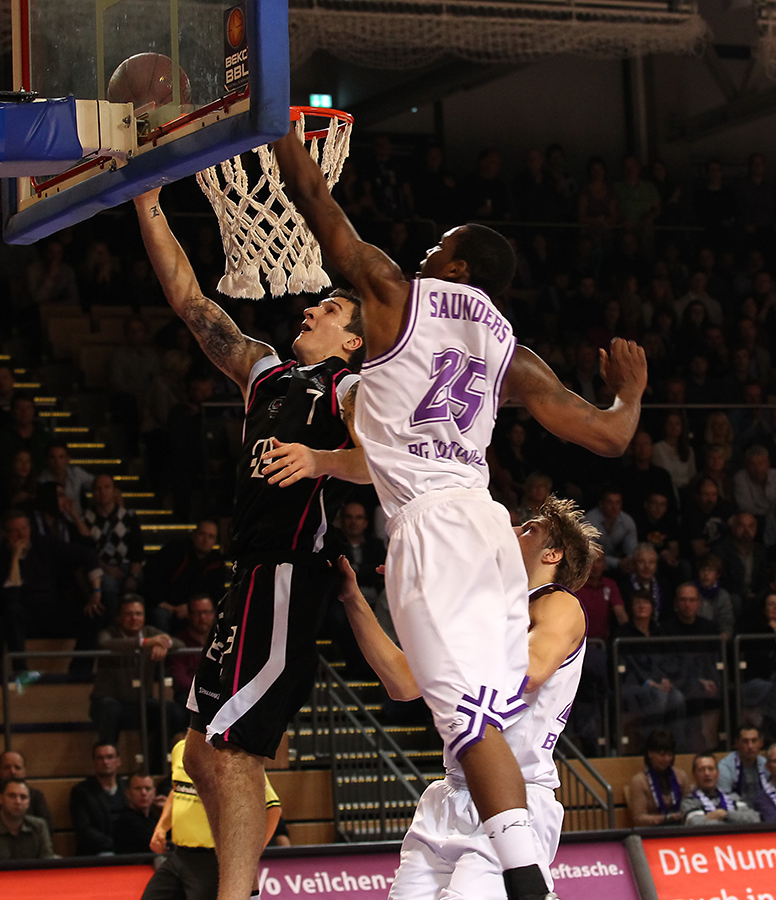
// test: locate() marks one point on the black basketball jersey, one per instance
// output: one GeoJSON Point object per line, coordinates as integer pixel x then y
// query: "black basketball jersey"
{"type": "Point", "coordinates": [292, 403]}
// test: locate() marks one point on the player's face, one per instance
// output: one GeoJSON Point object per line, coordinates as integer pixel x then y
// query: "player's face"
{"type": "Point", "coordinates": [324, 331]}
{"type": "Point", "coordinates": [438, 257]}
{"type": "Point", "coordinates": [532, 537]}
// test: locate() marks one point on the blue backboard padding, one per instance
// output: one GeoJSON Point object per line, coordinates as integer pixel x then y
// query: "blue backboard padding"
{"type": "Point", "coordinates": [265, 121]}
{"type": "Point", "coordinates": [43, 132]}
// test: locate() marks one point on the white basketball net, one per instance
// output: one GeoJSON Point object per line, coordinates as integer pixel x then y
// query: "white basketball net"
{"type": "Point", "coordinates": [262, 232]}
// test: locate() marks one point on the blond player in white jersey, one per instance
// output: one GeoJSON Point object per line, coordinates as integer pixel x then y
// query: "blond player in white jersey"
{"type": "Point", "coordinates": [446, 853]}
{"type": "Point", "coordinates": [440, 361]}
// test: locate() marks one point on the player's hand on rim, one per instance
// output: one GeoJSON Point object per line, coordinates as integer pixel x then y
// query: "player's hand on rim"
{"type": "Point", "coordinates": [288, 463]}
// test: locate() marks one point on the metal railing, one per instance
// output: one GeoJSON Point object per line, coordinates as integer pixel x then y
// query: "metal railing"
{"type": "Point", "coordinates": [375, 786]}
{"type": "Point", "coordinates": [740, 669]}
{"type": "Point", "coordinates": [10, 694]}
{"type": "Point", "coordinates": [671, 648]}
{"type": "Point", "coordinates": [586, 795]}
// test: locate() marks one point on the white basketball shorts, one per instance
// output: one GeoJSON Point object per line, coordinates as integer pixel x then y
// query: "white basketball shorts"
{"type": "Point", "coordinates": [446, 854]}
{"type": "Point", "coordinates": [458, 595]}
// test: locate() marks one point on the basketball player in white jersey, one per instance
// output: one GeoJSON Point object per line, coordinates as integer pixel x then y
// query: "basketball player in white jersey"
{"type": "Point", "coordinates": [446, 853]}
{"type": "Point", "coordinates": [440, 359]}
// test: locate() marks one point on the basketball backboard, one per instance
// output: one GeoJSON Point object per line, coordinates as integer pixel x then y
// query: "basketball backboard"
{"type": "Point", "coordinates": [235, 55]}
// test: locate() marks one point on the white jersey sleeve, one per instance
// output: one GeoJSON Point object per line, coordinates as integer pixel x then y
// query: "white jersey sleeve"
{"type": "Point", "coordinates": [426, 408]}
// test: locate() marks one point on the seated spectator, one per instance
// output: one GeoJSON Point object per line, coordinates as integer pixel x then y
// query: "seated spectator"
{"type": "Point", "coordinates": [718, 432]}
{"type": "Point", "coordinates": [618, 531]}
{"type": "Point", "coordinates": [364, 553]}
{"type": "Point", "coordinates": [75, 480]}
{"type": "Point", "coordinates": [765, 801]}
{"type": "Point", "coordinates": [649, 697]}
{"type": "Point", "coordinates": [716, 604]}
{"type": "Point", "coordinates": [40, 596]}
{"type": "Point", "coordinates": [508, 465]}
{"type": "Point", "coordinates": [133, 367]}
{"type": "Point", "coordinates": [655, 795]}
{"type": "Point", "coordinates": [758, 692]}
{"type": "Point", "coordinates": [96, 802]}
{"type": "Point", "coordinates": [7, 381]}
{"type": "Point", "coordinates": [743, 770]}
{"type": "Point", "coordinates": [744, 563]}
{"type": "Point", "coordinates": [585, 379]}
{"type": "Point", "coordinates": [13, 765]}
{"type": "Point", "coordinates": [134, 826]}
{"type": "Point", "coordinates": [596, 205]}
{"type": "Point", "coordinates": [715, 467]}
{"type": "Point", "coordinates": [115, 534]}
{"type": "Point", "coordinates": [754, 489]}
{"type": "Point", "coordinates": [638, 201]}
{"type": "Point", "coordinates": [183, 567]}
{"type": "Point", "coordinates": [55, 515]}
{"type": "Point", "coordinates": [182, 667]}
{"type": "Point", "coordinates": [484, 191]}
{"type": "Point", "coordinates": [536, 490]}
{"type": "Point", "coordinates": [674, 452]}
{"type": "Point", "coordinates": [694, 670]}
{"type": "Point", "coordinates": [22, 836]}
{"type": "Point", "coordinates": [706, 804]}
{"type": "Point", "coordinates": [645, 578]}
{"type": "Point", "coordinates": [704, 519]}
{"type": "Point", "coordinates": [23, 432]}
{"type": "Point", "coordinates": [641, 477]}
{"type": "Point", "coordinates": [602, 601]}
{"type": "Point", "coordinates": [699, 281]}
{"type": "Point", "coordinates": [115, 701]}
{"type": "Point", "coordinates": [18, 483]}
{"type": "Point", "coordinates": [657, 525]}
{"type": "Point", "coordinates": [51, 279]}
{"type": "Point", "coordinates": [199, 447]}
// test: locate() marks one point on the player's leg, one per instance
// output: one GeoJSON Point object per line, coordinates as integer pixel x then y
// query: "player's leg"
{"type": "Point", "coordinates": [165, 883]}
{"type": "Point", "coordinates": [428, 858]}
{"type": "Point", "coordinates": [230, 783]}
{"type": "Point", "coordinates": [459, 598]}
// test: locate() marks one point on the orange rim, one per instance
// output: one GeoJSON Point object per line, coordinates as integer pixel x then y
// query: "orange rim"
{"type": "Point", "coordinates": [325, 112]}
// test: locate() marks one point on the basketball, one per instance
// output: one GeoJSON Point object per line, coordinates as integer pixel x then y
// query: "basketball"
{"type": "Point", "coordinates": [147, 78]}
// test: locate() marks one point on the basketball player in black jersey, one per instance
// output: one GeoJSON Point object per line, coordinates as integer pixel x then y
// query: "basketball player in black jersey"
{"type": "Point", "coordinates": [298, 447]}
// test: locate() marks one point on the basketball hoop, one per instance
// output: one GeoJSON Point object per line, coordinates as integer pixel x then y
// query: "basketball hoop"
{"type": "Point", "coordinates": [261, 230]}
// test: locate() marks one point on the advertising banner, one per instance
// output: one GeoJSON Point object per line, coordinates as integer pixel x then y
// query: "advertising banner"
{"type": "Point", "coordinates": [592, 871]}
{"type": "Point", "coordinates": [586, 871]}
{"type": "Point", "coordinates": [711, 867]}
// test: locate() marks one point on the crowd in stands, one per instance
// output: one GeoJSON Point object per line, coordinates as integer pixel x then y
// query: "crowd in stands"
{"type": "Point", "coordinates": [682, 262]}
{"type": "Point", "coordinates": [739, 789]}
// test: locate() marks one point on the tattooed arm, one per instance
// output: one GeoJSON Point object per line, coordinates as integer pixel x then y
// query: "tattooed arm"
{"type": "Point", "coordinates": [222, 341]}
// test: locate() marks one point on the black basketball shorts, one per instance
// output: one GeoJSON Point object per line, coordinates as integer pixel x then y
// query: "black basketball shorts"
{"type": "Point", "coordinates": [258, 667]}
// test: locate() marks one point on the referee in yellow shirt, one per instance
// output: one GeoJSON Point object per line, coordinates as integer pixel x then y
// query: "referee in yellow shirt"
{"type": "Point", "coordinates": [192, 866]}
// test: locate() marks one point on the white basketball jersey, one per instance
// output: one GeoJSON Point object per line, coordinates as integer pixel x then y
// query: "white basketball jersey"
{"type": "Point", "coordinates": [542, 715]}
{"type": "Point", "coordinates": [426, 408]}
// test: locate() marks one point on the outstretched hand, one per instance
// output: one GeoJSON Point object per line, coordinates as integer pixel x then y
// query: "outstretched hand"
{"type": "Point", "coordinates": [349, 590]}
{"type": "Point", "coordinates": [624, 368]}
{"type": "Point", "coordinates": [288, 463]}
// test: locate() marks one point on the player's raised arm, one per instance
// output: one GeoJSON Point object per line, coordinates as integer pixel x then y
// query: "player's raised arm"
{"type": "Point", "coordinates": [374, 275]}
{"type": "Point", "coordinates": [604, 431]}
{"type": "Point", "coordinates": [221, 340]}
